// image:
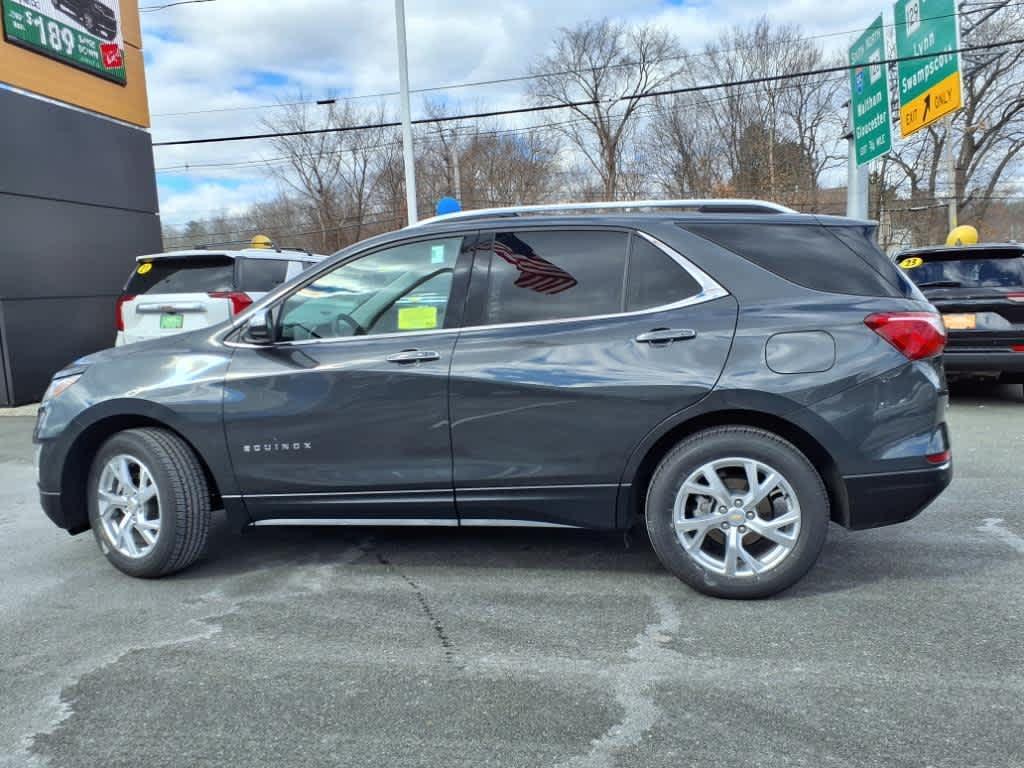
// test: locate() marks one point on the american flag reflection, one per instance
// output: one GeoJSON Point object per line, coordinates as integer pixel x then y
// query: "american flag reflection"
{"type": "Point", "coordinates": [538, 274]}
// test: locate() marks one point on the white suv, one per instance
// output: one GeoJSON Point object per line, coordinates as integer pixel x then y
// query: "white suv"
{"type": "Point", "coordinates": [182, 291]}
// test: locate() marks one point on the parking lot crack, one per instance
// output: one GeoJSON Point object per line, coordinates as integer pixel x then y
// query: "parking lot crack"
{"type": "Point", "coordinates": [447, 647]}
{"type": "Point", "coordinates": [632, 682]}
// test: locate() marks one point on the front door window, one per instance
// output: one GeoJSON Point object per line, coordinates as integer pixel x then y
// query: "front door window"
{"type": "Point", "coordinates": [396, 290]}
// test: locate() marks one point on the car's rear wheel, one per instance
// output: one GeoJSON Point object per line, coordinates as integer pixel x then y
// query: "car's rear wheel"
{"type": "Point", "coordinates": [149, 503]}
{"type": "Point", "coordinates": [737, 512]}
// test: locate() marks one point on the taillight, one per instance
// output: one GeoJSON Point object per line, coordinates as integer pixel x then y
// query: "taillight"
{"type": "Point", "coordinates": [120, 310]}
{"type": "Point", "coordinates": [916, 334]}
{"type": "Point", "coordinates": [1015, 296]}
{"type": "Point", "coordinates": [1017, 347]}
{"type": "Point", "coordinates": [239, 301]}
{"type": "Point", "coordinates": [939, 458]}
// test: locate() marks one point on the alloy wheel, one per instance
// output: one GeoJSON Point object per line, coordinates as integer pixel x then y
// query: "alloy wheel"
{"type": "Point", "coordinates": [129, 506]}
{"type": "Point", "coordinates": [737, 517]}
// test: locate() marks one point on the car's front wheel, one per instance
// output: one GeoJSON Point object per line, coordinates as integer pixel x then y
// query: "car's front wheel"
{"type": "Point", "coordinates": [149, 503]}
{"type": "Point", "coordinates": [737, 512]}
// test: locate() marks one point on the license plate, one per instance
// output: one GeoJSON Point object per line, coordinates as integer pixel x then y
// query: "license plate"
{"type": "Point", "coordinates": [960, 322]}
{"type": "Point", "coordinates": [172, 322]}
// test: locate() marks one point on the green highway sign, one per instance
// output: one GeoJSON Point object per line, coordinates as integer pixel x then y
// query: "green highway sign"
{"type": "Point", "coordinates": [82, 33]}
{"type": "Point", "coordinates": [869, 95]}
{"type": "Point", "coordinates": [929, 87]}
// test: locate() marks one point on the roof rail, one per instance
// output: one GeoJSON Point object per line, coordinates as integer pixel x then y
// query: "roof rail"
{"type": "Point", "coordinates": [724, 205]}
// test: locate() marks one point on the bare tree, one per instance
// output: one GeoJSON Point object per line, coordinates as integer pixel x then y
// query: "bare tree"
{"type": "Point", "coordinates": [767, 139]}
{"type": "Point", "coordinates": [332, 172]}
{"type": "Point", "coordinates": [484, 164]}
{"type": "Point", "coordinates": [604, 69]}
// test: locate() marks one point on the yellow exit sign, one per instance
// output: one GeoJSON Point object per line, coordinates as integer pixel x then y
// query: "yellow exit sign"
{"type": "Point", "coordinates": [939, 100]}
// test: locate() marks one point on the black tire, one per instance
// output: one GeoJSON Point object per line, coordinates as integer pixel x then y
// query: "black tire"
{"type": "Point", "coordinates": [762, 446]}
{"type": "Point", "coordinates": [183, 493]}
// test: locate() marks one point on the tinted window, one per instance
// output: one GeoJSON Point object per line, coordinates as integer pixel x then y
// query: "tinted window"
{"type": "Point", "coordinates": [261, 275]}
{"type": "Point", "coordinates": [199, 274]}
{"type": "Point", "coordinates": [400, 289]}
{"type": "Point", "coordinates": [655, 279]}
{"type": "Point", "coordinates": [555, 275]}
{"type": "Point", "coordinates": [998, 270]}
{"type": "Point", "coordinates": [863, 242]}
{"type": "Point", "coordinates": [806, 254]}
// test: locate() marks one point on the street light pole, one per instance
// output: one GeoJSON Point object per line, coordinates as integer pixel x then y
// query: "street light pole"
{"type": "Point", "coordinates": [951, 170]}
{"type": "Point", "coordinates": [403, 79]}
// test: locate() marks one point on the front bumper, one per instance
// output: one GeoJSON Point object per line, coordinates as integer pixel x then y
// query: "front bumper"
{"type": "Point", "coordinates": [887, 499]}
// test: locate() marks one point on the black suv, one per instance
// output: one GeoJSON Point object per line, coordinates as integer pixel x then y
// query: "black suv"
{"type": "Point", "coordinates": [734, 375]}
{"type": "Point", "coordinates": [979, 289]}
{"type": "Point", "coordinates": [95, 16]}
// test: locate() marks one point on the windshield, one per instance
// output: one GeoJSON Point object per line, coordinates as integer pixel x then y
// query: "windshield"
{"type": "Point", "coordinates": [984, 272]}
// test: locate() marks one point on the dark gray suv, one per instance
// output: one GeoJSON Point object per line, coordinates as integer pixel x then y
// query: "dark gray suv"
{"type": "Point", "coordinates": [733, 374]}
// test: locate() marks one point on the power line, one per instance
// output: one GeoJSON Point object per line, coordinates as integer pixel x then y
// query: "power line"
{"type": "Point", "coordinates": [151, 8]}
{"type": "Point", "coordinates": [583, 103]}
{"type": "Point", "coordinates": [435, 136]}
{"type": "Point", "coordinates": [439, 134]}
{"type": "Point", "coordinates": [536, 76]}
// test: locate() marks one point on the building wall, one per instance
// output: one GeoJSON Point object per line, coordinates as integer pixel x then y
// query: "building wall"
{"type": "Point", "coordinates": [78, 203]}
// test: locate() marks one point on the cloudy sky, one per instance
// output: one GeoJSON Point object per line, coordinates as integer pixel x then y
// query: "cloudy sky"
{"type": "Point", "coordinates": [215, 68]}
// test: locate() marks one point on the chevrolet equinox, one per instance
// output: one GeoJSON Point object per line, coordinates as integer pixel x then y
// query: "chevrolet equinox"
{"type": "Point", "coordinates": [732, 374]}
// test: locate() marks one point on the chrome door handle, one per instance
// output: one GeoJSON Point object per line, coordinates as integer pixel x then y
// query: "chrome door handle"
{"type": "Point", "coordinates": [666, 335]}
{"type": "Point", "coordinates": [413, 356]}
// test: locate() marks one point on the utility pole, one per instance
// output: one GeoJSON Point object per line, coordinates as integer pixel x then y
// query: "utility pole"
{"type": "Point", "coordinates": [456, 171]}
{"type": "Point", "coordinates": [951, 171]}
{"type": "Point", "coordinates": [856, 175]}
{"type": "Point", "coordinates": [403, 80]}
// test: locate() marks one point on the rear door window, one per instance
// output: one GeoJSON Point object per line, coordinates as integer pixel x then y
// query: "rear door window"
{"type": "Point", "coordinates": [553, 275]}
{"type": "Point", "coordinates": [261, 275]}
{"type": "Point", "coordinates": [200, 274]}
{"type": "Point", "coordinates": [655, 279]}
{"type": "Point", "coordinates": [952, 269]}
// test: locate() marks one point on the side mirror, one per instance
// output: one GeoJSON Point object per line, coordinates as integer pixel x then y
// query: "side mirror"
{"type": "Point", "coordinates": [260, 329]}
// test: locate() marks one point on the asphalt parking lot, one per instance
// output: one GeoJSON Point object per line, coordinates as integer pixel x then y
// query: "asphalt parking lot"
{"type": "Point", "coordinates": [524, 648]}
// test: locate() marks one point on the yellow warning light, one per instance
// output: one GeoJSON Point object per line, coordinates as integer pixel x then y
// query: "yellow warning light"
{"type": "Point", "coordinates": [965, 234]}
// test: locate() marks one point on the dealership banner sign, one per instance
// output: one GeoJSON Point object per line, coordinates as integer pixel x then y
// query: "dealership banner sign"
{"type": "Point", "coordinates": [82, 33]}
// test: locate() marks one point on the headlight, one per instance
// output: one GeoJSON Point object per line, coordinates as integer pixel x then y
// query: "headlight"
{"type": "Point", "coordinates": [59, 386]}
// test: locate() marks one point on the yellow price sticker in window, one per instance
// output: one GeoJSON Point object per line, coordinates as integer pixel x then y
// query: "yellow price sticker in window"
{"type": "Point", "coordinates": [145, 269]}
{"type": "Point", "coordinates": [417, 318]}
{"type": "Point", "coordinates": [912, 263]}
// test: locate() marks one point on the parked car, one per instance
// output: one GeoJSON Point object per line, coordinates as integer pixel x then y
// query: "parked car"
{"type": "Point", "coordinates": [97, 17]}
{"type": "Point", "coordinates": [180, 291]}
{"type": "Point", "coordinates": [733, 375]}
{"type": "Point", "coordinates": [979, 289]}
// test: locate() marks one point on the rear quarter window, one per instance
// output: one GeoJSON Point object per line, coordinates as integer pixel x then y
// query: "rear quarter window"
{"type": "Point", "coordinates": [261, 275]}
{"type": "Point", "coordinates": [186, 275]}
{"type": "Point", "coordinates": [830, 259]}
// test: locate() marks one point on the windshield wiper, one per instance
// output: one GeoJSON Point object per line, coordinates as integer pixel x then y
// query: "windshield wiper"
{"type": "Point", "coordinates": [941, 284]}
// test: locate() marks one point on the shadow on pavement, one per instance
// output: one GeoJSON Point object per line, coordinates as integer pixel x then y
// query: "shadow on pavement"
{"type": "Point", "coordinates": [850, 560]}
{"type": "Point", "coordinates": [981, 393]}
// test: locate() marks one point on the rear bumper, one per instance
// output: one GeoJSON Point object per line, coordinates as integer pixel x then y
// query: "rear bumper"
{"type": "Point", "coordinates": [887, 499]}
